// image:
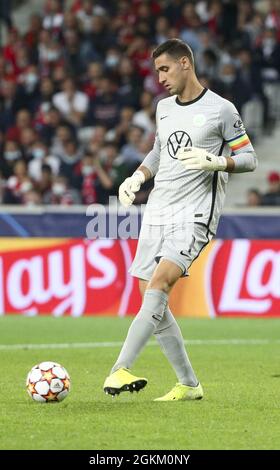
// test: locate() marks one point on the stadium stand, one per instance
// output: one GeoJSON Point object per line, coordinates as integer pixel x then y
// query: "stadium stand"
{"type": "Point", "coordinates": [78, 91]}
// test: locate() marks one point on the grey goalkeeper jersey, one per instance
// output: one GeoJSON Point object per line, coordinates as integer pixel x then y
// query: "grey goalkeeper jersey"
{"type": "Point", "coordinates": [179, 195]}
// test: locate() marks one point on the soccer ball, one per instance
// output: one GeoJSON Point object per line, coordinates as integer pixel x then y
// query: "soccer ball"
{"type": "Point", "coordinates": [48, 382]}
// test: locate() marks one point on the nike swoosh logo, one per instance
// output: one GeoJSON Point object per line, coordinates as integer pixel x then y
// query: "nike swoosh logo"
{"type": "Point", "coordinates": [163, 117]}
{"type": "Point", "coordinates": [183, 253]}
{"type": "Point", "coordinates": [156, 318]}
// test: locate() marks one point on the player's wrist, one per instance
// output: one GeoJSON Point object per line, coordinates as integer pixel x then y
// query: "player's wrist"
{"type": "Point", "coordinates": [221, 163]}
{"type": "Point", "coordinates": [139, 176]}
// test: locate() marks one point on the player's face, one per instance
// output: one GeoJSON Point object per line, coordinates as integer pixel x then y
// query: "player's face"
{"type": "Point", "coordinates": [172, 73]}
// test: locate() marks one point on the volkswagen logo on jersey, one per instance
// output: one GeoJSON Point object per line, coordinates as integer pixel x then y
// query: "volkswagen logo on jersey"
{"type": "Point", "coordinates": [177, 140]}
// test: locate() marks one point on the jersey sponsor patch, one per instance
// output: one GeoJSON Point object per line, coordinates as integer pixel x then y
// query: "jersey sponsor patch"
{"type": "Point", "coordinates": [199, 120]}
{"type": "Point", "coordinates": [177, 140]}
{"type": "Point", "coordinates": [238, 124]}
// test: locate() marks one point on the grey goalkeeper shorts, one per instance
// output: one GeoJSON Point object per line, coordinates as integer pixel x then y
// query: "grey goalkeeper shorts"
{"type": "Point", "coordinates": [180, 244]}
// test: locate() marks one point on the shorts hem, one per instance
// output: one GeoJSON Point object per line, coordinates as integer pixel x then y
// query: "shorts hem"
{"type": "Point", "coordinates": [178, 263]}
{"type": "Point", "coordinates": [139, 275]}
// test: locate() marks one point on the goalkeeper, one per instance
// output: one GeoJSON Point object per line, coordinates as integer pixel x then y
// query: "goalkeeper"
{"type": "Point", "coordinates": [200, 139]}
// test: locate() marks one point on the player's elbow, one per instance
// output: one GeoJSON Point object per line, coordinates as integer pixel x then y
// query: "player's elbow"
{"type": "Point", "coordinates": [245, 162]}
{"type": "Point", "coordinates": [254, 163]}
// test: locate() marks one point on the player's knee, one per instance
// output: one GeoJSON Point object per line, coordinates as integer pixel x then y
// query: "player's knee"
{"type": "Point", "coordinates": [162, 282]}
{"type": "Point", "coordinates": [142, 286]}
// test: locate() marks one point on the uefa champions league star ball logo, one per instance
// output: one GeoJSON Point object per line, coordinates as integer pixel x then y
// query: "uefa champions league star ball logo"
{"type": "Point", "coordinates": [177, 140]}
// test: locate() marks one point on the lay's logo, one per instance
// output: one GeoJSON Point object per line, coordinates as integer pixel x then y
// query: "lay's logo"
{"type": "Point", "coordinates": [243, 278]}
{"type": "Point", "coordinates": [71, 277]}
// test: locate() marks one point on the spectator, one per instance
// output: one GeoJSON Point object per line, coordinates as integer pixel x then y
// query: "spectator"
{"type": "Point", "coordinates": [63, 133]}
{"type": "Point", "coordinates": [273, 18]}
{"type": "Point", "coordinates": [9, 104]}
{"type": "Point", "coordinates": [190, 25]}
{"type": "Point", "coordinates": [41, 158]}
{"type": "Point", "coordinates": [129, 83]}
{"type": "Point", "coordinates": [44, 185]}
{"type": "Point", "coordinates": [114, 166]}
{"type": "Point", "coordinates": [28, 137]}
{"type": "Point", "coordinates": [100, 37]}
{"type": "Point", "coordinates": [59, 75]}
{"type": "Point", "coordinates": [32, 198]}
{"type": "Point", "coordinates": [161, 29]}
{"type": "Point", "coordinates": [140, 53]}
{"type": "Point", "coordinates": [71, 22]}
{"type": "Point", "coordinates": [50, 52]}
{"type": "Point", "coordinates": [23, 121]}
{"type": "Point", "coordinates": [75, 53]}
{"type": "Point", "coordinates": [18, 184]}
{"type": "Point", "coordinates": [62, 194]}
{"type": "Point", "coordinates": [47, 124]}
{"type": "Point", "coordinates": [11, 153]}
{"type": "Point", "coordinates": [268, 54]}
{"type": "Point", "coordinates": [47, 90]}
{"type": "Point", "coordinates": [120, 132]}
{"type": "Point", "coordinates": [254, 29]}
{"type": "Point", "coordinates": [94, 74]}
{"type": "Point", "coordinates": [88, 179]}
{"type": "Point", "coordinates": [53, 19]}
{"type": "Point", "coordinates": [84, 15]}
{"type": "Point", "coordinates": [254, 198]}
{"type": "Point", "coordinates": [98, 138]}
{"type": "Point", "coordinates": [102, 174]}
{"type": "Point", "coordinates": [31, 38]}
{"type": "Point", "coordinates": [105, 107]}
{"type": "Point", "coordinates": [112, 59]}
{"type": "Point", "coordinates": [29, 87]}
{"type": "Point", "coordinates": [207, 63]}
{"type": "Point", "coordinates": [132, 152]}
{"type": "Point", "coordinates": [272, 196]}
{"type": "Point", "coordinates": [145, 118]}
{"type": "Point", "coordinates": [6, 13]}
{"type": "Point", "coordinates": [71, 102]}
{"type": "Point", "coordinates": [9, 50]}
{"type": "Point", "coordinates": [69, 162]}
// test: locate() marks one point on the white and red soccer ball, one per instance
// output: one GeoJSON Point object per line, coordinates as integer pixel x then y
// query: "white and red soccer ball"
{"type": "Point", "coordinates": [48, 382]}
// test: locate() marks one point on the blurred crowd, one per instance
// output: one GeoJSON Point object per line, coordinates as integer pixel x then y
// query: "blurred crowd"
{"type": "Point", "coordinates": [270, 197]}
{"type": "Point", "coordinates": [78, 91]}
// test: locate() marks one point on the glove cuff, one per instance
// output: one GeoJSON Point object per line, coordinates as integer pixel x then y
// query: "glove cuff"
{"type": "Point", "coordinates": [139, 175]}
{"type": "Point", "coordinates": [222, 163]}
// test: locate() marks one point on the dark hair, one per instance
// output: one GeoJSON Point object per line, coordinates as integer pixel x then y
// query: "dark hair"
{"type": "Point", "coordinates": [46, 168]}
{"type": "Point", "coordinates": [175, 48]}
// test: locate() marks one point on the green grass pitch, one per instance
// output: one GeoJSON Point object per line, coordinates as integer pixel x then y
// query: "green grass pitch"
{"type": "Point", "coordinates": [241, 381]}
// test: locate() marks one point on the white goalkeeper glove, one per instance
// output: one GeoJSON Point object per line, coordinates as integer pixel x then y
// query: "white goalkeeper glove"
{"type": "Point", "coordinates": [199, 159]}
{"type": "Point", "coordinates": [129, 187]}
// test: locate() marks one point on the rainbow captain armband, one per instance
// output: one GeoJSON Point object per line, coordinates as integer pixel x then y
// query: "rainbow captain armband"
{"type": "Point", "coordinates": [238, 142]}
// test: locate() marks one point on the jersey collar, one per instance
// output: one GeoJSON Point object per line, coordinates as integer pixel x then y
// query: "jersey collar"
{"type": "Point", "coordinates": [187, 103]}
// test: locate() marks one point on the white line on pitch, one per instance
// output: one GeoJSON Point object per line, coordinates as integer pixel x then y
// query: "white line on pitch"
{"type": "Point", "coordinates": [112, 344]}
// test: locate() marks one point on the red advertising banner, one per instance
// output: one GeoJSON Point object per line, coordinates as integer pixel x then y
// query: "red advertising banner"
{"type": "Point", "coordinates": [82, 277]}
{"type": "Point", "coordinates": [243, 278]}
{"type": "Point", "coordinates": [67, 277]}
